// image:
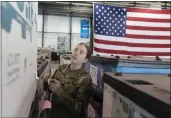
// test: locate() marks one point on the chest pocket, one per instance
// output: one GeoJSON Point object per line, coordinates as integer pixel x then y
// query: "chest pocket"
{"type": "Point", "coordinates": [72, 86]}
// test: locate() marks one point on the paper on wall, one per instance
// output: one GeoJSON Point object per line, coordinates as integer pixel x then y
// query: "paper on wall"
{"type": "Point", "coordinates": [93, 73]}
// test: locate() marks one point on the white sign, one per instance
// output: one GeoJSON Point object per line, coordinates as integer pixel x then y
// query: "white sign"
{"type": "Point", "coordinates": [93, 73]}
{"type": "Point", "coordinates": [19, 53]}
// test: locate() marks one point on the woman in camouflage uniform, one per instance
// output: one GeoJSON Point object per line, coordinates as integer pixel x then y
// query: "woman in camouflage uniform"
{"type": "Point", "coordinates": [71, 86]}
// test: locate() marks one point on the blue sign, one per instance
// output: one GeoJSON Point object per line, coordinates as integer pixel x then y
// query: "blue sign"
{"type": "Point", "coordinates": [85, 28]}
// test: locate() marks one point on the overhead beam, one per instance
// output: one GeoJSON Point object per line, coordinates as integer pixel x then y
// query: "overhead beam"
{"type": "Point", "coordinates": [67, 15]}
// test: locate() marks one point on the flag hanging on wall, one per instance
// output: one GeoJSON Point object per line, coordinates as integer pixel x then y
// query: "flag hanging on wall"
{"type": "Point", "coordinates": [131, 31]}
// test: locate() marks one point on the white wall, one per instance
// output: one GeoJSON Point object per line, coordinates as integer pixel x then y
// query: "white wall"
{"type": "Point", "coordinates": [59, 26]}
{"type": "Point", "coordinates": [39, 23]}
{"type": "Point", "coordinates": [39, 39]}
{"type": "Point", "coordinates": [39, 29]}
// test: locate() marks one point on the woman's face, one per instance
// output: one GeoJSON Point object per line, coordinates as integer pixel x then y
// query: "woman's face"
{"type": "Point", "coordinates": [79, 55]}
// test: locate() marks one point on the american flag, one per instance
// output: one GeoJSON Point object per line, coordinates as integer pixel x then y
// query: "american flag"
{"type": "Point", "coordinates": [131, 31]}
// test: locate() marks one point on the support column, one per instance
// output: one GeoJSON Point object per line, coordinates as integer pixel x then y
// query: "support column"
{"type": "Point", "coordinates": [70, 23]}
{"type": "Point", "coordinates": [43, 19]}
{"type": "Point", "coordinates": [91, 34]}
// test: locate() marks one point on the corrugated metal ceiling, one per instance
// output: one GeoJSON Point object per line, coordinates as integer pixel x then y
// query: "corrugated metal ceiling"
{"type": "Point", "coordinates": [85, 9]}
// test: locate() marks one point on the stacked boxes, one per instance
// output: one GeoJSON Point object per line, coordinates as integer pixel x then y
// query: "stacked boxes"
{"type": "Point", "coordinates": [43, 66]}
{"type": "Point", "coordinates": [43, 61]}
{"type": "Point", "coordinates": [136, 96]}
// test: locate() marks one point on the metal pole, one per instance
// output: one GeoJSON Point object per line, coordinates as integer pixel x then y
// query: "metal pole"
{"type": "Point", "coordinates": [43, 18]}
{"type": "Point", "coordinates": [91, 34]}
{"type": "Point", "coordinates": [70, 23]}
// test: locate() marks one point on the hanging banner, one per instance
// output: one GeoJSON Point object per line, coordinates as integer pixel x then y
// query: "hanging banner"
{"type": "Point", "coordinates": [85, 28]}
{"type": "Point", "coordinates": [19, 57]}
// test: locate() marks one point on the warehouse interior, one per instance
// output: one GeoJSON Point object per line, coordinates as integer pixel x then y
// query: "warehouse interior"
{"type": "Point", "coordinates": [129, 69]}
{"type": "Point", "coordinates": [71, 13]}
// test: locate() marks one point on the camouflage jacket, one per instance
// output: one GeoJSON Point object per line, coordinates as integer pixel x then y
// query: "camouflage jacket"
{"type": "Point", "coordinates": [75, 89]}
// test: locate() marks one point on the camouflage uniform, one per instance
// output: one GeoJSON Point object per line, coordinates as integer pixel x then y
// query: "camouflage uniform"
{"type": "Point", "coordinates": [74, 93]}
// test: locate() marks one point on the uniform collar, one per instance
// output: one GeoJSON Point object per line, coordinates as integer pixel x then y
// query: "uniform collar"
{"type": "Point", "coordinates": [78, 70]}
